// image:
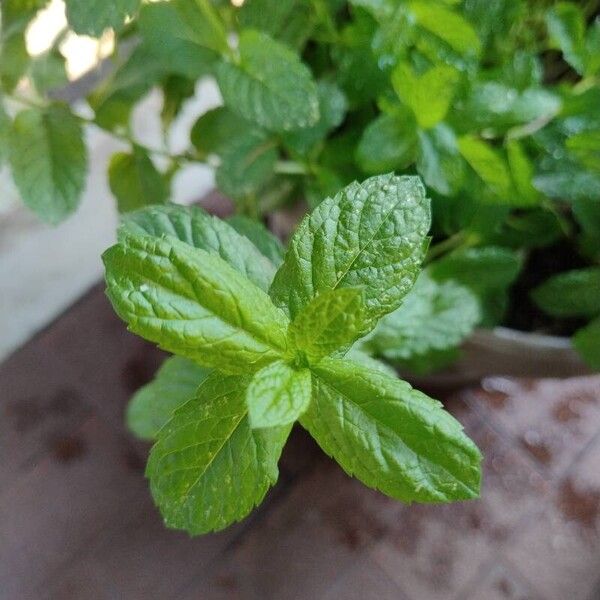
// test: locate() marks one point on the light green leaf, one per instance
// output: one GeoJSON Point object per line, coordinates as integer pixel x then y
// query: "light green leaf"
{"type": "Point", "coordinates": [388, 143]}
{"type": "Point", "coordinates": [208, 468]}
{"type": "Point", "coordinates": [267, 244]}
{"type": "Point", "coordinates": [192, 225]}
{"type": "Point", "coordinates": [391, 437]}
{"type": "Point", "coordinates": [247, 163]}
{"type": "Point", "coordinates": [433, 316]}
{"type": "Point", "coordinates": [522, 171]}
{"type": "Point", "coordinates": [448, 25]}
{"type": "Point", "coordinates": [269, 86]}
{"type": "Point", "coordinates": [439, 162]}
{"type": "Point", "coordinates": [489, 165]}
{"type": "Point", "coordinates": [566, 25]}
{"type": "Point", "coordinates": [355, 354]}
{"type": "Point", "coordinates": [332, 109]}
{"type": "Point", "coordinates": [153, 405]}
{"type": "Point", "coordinates": [49, 160]}
{"type": "Point", "coordinates": [571, 294]}
{"type": "Point", "coordinates": [215, 129]}
{"type": "Point", "coordinates": [278, 395]}
{"type": "Point", "coordinates": [587, 343]}
{"type": "Point", "coordinates": [428, 95]}
{"type": "Point", "coordinates": [14, 59]}
{"type": "Point", "coordinates": [135, 181]}
{"type": "Point", "coordinates": [92, 17]}
{"type": "Point", "coordinates": [585, 146]}
{"type": "Point", "coordinates": [202, 24]}
{"type": "Point", "coordinates": [194, 304]}
{"type": "Point", "coordinates": [372, 234]}
{"type": "Point", "coordinates": [331, 321]}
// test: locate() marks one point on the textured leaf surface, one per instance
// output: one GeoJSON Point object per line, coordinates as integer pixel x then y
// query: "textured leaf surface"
{"type": "Point", "coordinates": [270, 86]}
{"type": "Point", "coordinates": [278, 395]}
{"type": "Point", "coordinates": [208, 468]}
{"type": "Point", "coordinates": [391, 437]}
{"type": "Point", "coordinates": [428, 95]}
{"type": "Point", "coordinates": [433, 316]}
{"type": "Point", "coordinates": [135, 181]}
{"type": "Point", "coordinates": [587, 343]}
{"type": "Point", "coordinates": [194, 304]}
{"type": "Point", "coordinates": [153, 405]}
{"type": "Point", "coordinates": [196, 228]}
{"type": "Point", "coordinates": [571, 294]}
{"type": "Point", "coordinates": [370, 235]}
{"type": "Point", "coordinates": [49, 161]}
{"type": "Point", "coordinates": [331, 321]}
{"type": "Point", "coordinates": [92, 17]}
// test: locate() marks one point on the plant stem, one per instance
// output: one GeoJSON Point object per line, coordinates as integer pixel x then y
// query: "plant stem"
{"type": "Point", "coordinates": [451, 243]}
{"type": "Point", "coordinates": [290, 167]}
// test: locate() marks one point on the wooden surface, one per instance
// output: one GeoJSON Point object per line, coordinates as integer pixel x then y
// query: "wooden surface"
{"type": "Point", "coordinates": [77, 521]}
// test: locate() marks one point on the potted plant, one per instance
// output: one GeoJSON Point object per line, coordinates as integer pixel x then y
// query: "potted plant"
{"type": "Point", "coordinates": [494, 108]}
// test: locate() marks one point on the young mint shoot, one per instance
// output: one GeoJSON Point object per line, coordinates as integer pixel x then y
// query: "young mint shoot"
{"type": "Point", "coordinates": [259, 348]}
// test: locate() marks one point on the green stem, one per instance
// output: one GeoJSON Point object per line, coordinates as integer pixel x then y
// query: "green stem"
{"type": "Point", "coordinates": [290, 167]}
{"type": "Point", "coordinates": [445, 246]}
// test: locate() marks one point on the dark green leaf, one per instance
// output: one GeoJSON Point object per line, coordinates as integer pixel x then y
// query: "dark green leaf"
{"type": "Point", "coordinates": [135, 181]}
{"type": "Point", "coordinates": [566, 25]}
{"type": "Point", "coordinates": [216, 128]}
{"type": "Point", "coordinates": [92, 17]}
{"type": "Point", "coordinates": [587, 343]}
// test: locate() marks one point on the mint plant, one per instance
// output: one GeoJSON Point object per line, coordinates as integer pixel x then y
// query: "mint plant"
{"type": "Point", "coordinates": [258, 348]}
{"type": "Point", "coordinates": [492, 103]}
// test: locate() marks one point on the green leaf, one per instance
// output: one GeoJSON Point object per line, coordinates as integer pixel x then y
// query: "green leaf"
{"type": "Point", "coordinates": [92, 17]}
{"type": "Point", "coordinates": [286, 20]}
{"type": "Point", "coordinates": [176, 89]}
{"type": "Point", "coordinates": [208, 468]}
{"type": "Point", "coordinates": [14, 59]}
{"type": "Point", "coordinates": [215, 129]}
{"type": "Point", "coordinates": [135, 181]}
{"type": "Point", "coordinates": [371, 234]}
{"type": "Point", "coordinates": [49, 161]}
{"type": "Point", "coordinates": [388, 143]}
{"type": "Point", "coordinates": [488, 164]}
{"type": "Point", "coordinates": [202, 24]}
{"type": "Point", "coordinates": [428, 95]}
{"type": "Point", "coordinates": [48, 72]}
{"type": "Point", "coordinates": [278, 395]}
{"type": "Point", "coordinates": [587, 343]}
{"type": "Point", "coordinates": [167, 45]}
{"type": "Point", "coordinates": [433, 316]}
{"type": "Point", "coordinates": [355, 354]}
{"type": "Point", "coordinates": [153, 405]}
{"type": "Point", "coordinates": [269, 86]}
{"type": "Point", "coordinates": [571, 294]}
{"type": "Point", "coordinates": [439, 162]}
{"type": "Point", "coordinates": [332, 321]}
{"type": "Point", "coordinates": [522, 171]}
{"type": "Point", "coordinates": [587, 214]}
{"type": "Point", "coordinates": [486, 268]}
{"type": "Point", "coordinates": [194, 304]}
{"type": "Point", "coordinates": [267, 244]}
{"type": "Point", "coordinates": [247, 163]}
{"type": "Point", "coordinates": [448, 25]}
{"type": "Point", "coordinates": [197, 229]}
{"type": "Point", "coordinates": [391, 437]}
{"type": "Point", "coordinates": [585, 146]}
{"type": "Point", "coordinates": [566, 25]}
{"type": "Point", "coordinates": [332, 109]}
{"type": "Point", "coordinates": [5, 128]}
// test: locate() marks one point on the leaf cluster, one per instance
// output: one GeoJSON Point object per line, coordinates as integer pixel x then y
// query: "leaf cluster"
{"type": "Point", "coordinates": [259, 347]}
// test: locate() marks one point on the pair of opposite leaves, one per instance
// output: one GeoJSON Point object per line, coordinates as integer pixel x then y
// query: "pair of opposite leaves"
{"type": "Point", "coordinates": [275, 343]}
